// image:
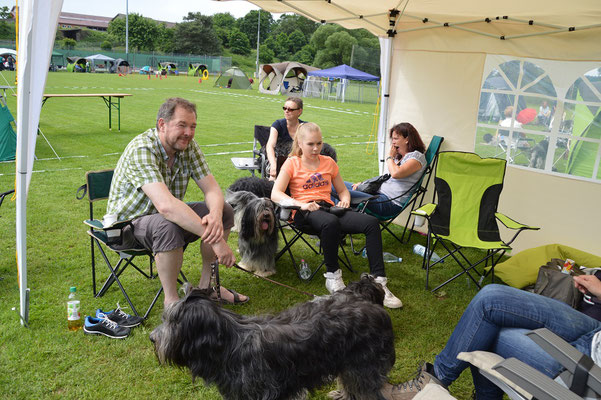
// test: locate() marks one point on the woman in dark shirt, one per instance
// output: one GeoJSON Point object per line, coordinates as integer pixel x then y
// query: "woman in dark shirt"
{"type": "Point", "coordinates": [282, 133]}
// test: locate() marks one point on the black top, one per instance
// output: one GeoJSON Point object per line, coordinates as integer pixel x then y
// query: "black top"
{"type": "Point", "coordinates": [282, 128]}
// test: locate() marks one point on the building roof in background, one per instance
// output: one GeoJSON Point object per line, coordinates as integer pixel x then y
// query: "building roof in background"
{"type": "Point", "coordinates": [84, 20]}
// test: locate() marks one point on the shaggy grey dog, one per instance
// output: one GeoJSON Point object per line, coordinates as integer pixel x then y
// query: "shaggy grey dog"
{"type": "Point", "coordinates": [254, 219]}
{"type": "Point", "coordinates": [347, 335]}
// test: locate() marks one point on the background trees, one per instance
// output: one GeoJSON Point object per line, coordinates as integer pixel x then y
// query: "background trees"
{"type": "Point", "coordinates": [196, 36]}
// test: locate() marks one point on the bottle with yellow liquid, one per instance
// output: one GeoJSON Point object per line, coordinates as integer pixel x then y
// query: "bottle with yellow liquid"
{"type": "Point", "coordinates": [74, 321]}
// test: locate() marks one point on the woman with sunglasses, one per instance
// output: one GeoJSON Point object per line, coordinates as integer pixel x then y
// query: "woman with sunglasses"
{"type": "Point", "coordinates": [282, 133]}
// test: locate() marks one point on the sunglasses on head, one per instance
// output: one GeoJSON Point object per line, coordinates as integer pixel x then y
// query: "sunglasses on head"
{"type": "Point", "coordinates": [289, 109]}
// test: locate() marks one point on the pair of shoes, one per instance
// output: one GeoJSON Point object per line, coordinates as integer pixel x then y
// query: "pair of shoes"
{"type": "Point", "coordinates": [390, 300]}
{"type": "Point", "coordinates": [408, 390]}
{"type": "Point", "coordinates": [120, 318]}
{"type": "Point", "coordinates": [106, 327]}
{"type": "Point", "coordinates": [334, 281]}
{"type": "Point", "coordinates": [236, 295]}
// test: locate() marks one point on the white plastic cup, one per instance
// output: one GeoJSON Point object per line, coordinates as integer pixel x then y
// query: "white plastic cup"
{"type": "Point", "coordinates": [109, 219]}
{"type": "Point", "coordinates": [419, 220]}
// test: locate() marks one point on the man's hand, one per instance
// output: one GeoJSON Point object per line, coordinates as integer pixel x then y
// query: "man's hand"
{"type": "Point", "coordinates": [355, 185]}
{"type": "Point", "coordinates": [213, 228]}
{"type": "Point", "coordinates": [588, 283]}
{"type": "Point", "coordinates": [224, 253]}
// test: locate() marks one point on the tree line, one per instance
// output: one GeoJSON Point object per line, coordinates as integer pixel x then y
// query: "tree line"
{"type": "Point", "coordinates": [289, 38]}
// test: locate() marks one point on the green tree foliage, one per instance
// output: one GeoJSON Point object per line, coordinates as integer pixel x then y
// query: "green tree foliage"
{"type": "Point", "coordinates": [196, 36]}
{"type": "Point", "coordinates": [166, 38]}
{"type": "Point", "coordinates": [4, 12]}
{"type": "Point", "coordinates": [282, 47]}
{"type": "Point", "coordinates": [248, 25]}
{"type": "Point", "coordinates": [143, 32]}
{"type": "Point", "coordinates": [306, 55]}
{"type": "Point", "coordinates": [68, 43]}
{"type": "Point", "coordinates": [334, 46]}
{"type": "Point", "coordinates": [223, 24]}
{"type": "Point", "coordinates": [7, 30]}
{"type": "Point", "coordinates": [288, 23]}
{"type": "Point", "coordinates": [239, 43]}
{"type": "Point", "coordinates": [297, 41]}
{"type": "Point", "coordinates": [106, 45]}
{"type": "Point", "coordinates": [266, 55]}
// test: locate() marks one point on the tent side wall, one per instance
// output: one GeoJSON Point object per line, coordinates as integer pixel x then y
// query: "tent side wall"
{"type": "Point", "coordinates": [439, 74]}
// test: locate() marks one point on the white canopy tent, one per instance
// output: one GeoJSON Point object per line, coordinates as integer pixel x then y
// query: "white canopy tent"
{"type": "Point", "coordinates": [435, 57]}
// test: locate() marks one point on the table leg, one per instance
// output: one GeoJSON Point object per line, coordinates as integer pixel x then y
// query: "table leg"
{"type": "Point", "coordinates": [119, 111]}
{"type": "Point", "coordinates": [110, 114]}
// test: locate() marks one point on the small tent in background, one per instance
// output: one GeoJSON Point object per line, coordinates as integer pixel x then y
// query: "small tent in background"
{"type": "Point", "coordinates": [56, 61]}
{"type": "Point", "coordinates": [120, 66]}
{"type": "Point", "coordinates": [168, 67]}
{"type": "Point", "coordinates": [146, 70]}
{"type": "Point", "coordinates": [8, 138]}
{"type": "Point", "coordinates": [8, 59]}
{"type": "Point", "coordinates": [196, 69]}
{"type": "Point", "coordinates": [283, 77]}
{"type": "Point", "coordinates": [76, 64]}
{"type": "Point", "coordinates": [345, 74]}
{"type": "Point", "coordinates": [100, 63]}
{"type": "Point", "coordinates": [233, 78]}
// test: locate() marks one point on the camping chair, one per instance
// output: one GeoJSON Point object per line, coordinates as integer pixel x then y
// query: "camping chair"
{"type": "Point", "coordinates": [97, 187]}
{"type": "Point", "coordinates": [285, 221]}
{"type": "Point", "coordinates": [415, 197]}
{"type": "Point", "coordinates": [259, 159]}
{"type": "Point", "coordinates": [582, 378]}
{"type": "Point", "coordinates": [467, 188]}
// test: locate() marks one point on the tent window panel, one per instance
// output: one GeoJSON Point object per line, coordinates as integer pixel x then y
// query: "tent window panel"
{"type": "Point", "coordinates": [492, 106]}
{"type": "Point", "coordinates": [511, 69]}
{"type": "Point", "coordinates": [578, 159]}
{"type": "Point", "coordinates": [536, 152]}
{"type": "Point", "coordinates": [496, 80]}
{"type": "Point", "coordinates": [487, 144]}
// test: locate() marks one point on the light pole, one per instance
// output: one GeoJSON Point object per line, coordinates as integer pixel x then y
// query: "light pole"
{"type": "Point", "coordinates": [258, 34]}
{"type": "Point", "coordinates": [127, 28]}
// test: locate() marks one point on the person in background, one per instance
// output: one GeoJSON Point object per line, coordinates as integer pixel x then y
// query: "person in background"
{"type": "Point", "coordinates": [282, 132]}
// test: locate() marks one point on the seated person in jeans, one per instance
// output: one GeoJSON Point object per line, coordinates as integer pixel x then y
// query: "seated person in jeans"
{"type": "Point", "coordinates": [282, 132]}
{"type": "Point", "coordinates": [310, 176]}
{"type": "Point", "coordinates": [497, 319]}
{"type": "Point", "coordinates": [148, 187]}
{"type": "Point", "coordinates": [406, 163]}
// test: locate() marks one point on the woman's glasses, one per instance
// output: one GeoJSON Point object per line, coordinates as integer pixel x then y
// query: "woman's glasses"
{"type": "Point", "coordinates": [289, 109]}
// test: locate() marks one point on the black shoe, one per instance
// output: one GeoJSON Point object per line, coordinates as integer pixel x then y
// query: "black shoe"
{"type": "Point", "coordinates": [118, 316]}
{"type": "Point", "coordinates": [106, 327]}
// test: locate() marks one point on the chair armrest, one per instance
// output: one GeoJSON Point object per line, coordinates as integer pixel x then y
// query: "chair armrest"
{"type": "Point", "coordinates": [97, 224]}
{"type": "Point", "coordinates": [539, 385]}
{"type": "Point", "coordinates": [512, 224]}
{"type": "Point", "coordinates": [425, 211]}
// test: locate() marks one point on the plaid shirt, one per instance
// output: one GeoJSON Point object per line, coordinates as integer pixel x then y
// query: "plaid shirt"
{"type": "Point", "coordinates": [143, 161]}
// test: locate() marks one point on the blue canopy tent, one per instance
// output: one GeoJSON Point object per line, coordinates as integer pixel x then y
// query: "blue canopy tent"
{"type": "Point", "coordinates": [342, 72]}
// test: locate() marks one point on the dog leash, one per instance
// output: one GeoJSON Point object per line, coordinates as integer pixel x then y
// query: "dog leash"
{"type": "Point", "coordinates": [274, 282]}
{"type": "Point", "coordinates": [215, 284]}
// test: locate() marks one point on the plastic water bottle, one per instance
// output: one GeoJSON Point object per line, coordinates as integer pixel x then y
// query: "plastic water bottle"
{"type": "Point", "coordinates": [390, 258]}
{"type": "Point", "coordinates": [421, 250]}
{"type": "Point", "coordinates": [304, 272]}
{"type": "Point", "coordinates": [74, 321]}
{"type": "Point", "coordinates": [364, 253]}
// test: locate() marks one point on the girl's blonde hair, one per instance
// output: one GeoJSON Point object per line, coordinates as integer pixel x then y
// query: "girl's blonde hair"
{"type": "Point", "coordinates": [301, 131]}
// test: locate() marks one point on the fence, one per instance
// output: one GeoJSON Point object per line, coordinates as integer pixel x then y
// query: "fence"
{"type": "Point", "coordinates": [342, 90]}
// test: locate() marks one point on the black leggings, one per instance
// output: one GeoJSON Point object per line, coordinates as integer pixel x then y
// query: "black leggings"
{"type": "Point", "coordinates": [330, 229]}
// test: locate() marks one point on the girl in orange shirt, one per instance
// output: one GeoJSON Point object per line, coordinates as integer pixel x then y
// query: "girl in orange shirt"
{"type": "Point", "coordinates": [309, 176]}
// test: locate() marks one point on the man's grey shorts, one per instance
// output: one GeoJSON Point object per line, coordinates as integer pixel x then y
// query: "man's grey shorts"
{"type": "Point", "coordinates": [155, 233]}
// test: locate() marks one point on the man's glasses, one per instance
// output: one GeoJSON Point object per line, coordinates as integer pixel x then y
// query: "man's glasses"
{"type": "Point", "coordinates": [289, 109]}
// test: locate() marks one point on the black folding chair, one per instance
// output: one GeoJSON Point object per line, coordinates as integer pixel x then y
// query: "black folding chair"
{"type": "Point", "coordinates": [102, 237]}
{"type": "Point", "coordinates": [258, 162]}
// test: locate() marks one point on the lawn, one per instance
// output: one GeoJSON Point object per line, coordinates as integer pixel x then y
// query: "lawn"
{"type": "Point", "coordinates": [48, 361]}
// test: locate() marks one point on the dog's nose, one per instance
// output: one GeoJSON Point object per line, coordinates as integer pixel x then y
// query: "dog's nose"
{"type": "Point", "coordinates": [151, 337]}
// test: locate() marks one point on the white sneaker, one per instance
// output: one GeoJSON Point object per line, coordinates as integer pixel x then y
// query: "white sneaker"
{"type": "Point", "coordinates": [390, 300]}
{"type": "Point", "coordinates": [334, 281]}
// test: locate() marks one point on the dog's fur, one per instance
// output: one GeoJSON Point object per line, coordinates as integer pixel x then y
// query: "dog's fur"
{"type": "Point", "coordinates": [539, 154]}
{"type": "Point", "coordinates": [258, 186]}
{"type": "Point", "coordinates": [347, 335]}
{"type": "Point", "coordinates": [254, 219]}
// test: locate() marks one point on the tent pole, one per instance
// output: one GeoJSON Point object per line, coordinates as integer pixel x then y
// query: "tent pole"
{"type": "Point", "coordinates": [385, 61]}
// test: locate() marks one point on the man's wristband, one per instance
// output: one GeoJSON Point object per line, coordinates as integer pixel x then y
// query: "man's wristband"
{"type": "Point", "coordinates": [388, 158]}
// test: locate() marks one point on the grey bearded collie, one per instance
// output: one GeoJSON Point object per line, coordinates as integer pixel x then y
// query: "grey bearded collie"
{"type": "Point", "coordinates": [347, 335]}
{"type": "Point", "coordinates": [254, 217]}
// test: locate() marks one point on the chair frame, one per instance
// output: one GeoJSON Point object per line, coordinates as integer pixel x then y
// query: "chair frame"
{"type": "Point", "coordinates": [259, 159]}
{"type": "Point", "coordinates": [492, 254]}
{"type": "Point", "coordinates": [99, 239]}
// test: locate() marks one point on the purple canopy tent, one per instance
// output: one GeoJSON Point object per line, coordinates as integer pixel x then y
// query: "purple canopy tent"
{"type": "Point", "coordinates": [343, 72]}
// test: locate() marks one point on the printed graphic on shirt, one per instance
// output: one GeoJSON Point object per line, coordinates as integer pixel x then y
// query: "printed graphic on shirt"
{"type": "Point", "coordinates": [315, 181]}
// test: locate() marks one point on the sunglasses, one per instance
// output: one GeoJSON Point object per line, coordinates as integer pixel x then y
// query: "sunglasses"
{"type": "Point", "coordinates": [290, 109]}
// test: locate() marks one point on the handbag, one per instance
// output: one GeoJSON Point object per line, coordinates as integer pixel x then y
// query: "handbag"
{"type": "Point", "coordinates": [552, 282]}
{"type": "Point", "coordinates": [372, 185]}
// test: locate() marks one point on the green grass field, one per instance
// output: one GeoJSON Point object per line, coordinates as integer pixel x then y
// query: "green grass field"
{"type": "Point", "coordinates": [48, 361]}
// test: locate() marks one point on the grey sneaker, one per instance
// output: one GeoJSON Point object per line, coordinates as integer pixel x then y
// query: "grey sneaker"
{"type": "Point", "coordinates": [408, 390]}
{"type": "Point", "coordinates": [390, 300]}
{"type": "Point", "coordinates": [334, 281]}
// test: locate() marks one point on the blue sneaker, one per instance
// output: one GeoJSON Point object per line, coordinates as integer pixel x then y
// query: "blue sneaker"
{"type": "Point", "coordinates": [120, 318]}
{"type": "Point", "coordinates": [106, 327]}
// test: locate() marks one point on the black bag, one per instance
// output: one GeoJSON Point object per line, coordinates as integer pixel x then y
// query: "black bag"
{"type": "Point", "coordinates": [372, 185]}
{"type": "Point", "coordinates": [553, 283]}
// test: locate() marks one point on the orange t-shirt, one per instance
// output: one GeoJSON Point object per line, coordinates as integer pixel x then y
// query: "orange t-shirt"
{"type": "Point", "coordinates": [311, 185]}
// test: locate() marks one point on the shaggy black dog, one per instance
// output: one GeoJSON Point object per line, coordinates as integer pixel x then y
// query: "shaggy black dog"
{"type": "Point", "coordinates": [254, 218]}
{"type": "Point", "coordinates": [539, 154]}
{"type": "Point", "coordinates": [259, 186]}
{"type": "Point", "coordinates": [347, 335]}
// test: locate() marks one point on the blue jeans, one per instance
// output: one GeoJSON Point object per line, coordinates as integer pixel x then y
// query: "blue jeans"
{"type": "Point", "coordinates": [496, 320]}
{"type": "Point", "coordinates": [381, 206]}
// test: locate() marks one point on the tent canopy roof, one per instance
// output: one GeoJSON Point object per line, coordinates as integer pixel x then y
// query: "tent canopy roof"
{"type": "Point", "coordinates": [344, 72]}
{"type": "Point", "coordinates": [100, 57]}
{"type": "Point", "coordinates": [282, 67]}
{"type": "Point", "coordinates": [373, 16]}
{"type": "Point", "coordinates": [8, 51]}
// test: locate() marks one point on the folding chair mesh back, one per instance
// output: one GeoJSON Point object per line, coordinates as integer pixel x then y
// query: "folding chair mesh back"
{"type": "Point", "coordinates": [467, 188]}
{"type": "Point", "coordinates": [97, 187]}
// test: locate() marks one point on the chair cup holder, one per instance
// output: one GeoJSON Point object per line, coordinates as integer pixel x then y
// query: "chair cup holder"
{"type": "Point", "coordinates": [114, 237]}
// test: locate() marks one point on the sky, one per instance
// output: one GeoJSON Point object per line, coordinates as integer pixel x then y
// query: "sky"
{"type": "Point", "coordinates": [163, 10]}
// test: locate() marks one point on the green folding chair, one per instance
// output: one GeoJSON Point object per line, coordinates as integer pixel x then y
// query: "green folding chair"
{"type": "Point", "coordinates": [467, 188]}
{"type": "Point", "coordinates": [415, 197]}
{"type": "Point", "coordinates": [97, 187]}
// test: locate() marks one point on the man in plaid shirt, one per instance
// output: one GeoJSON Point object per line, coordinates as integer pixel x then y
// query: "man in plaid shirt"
{"type": "Point", "coordinates": [149, 185]}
